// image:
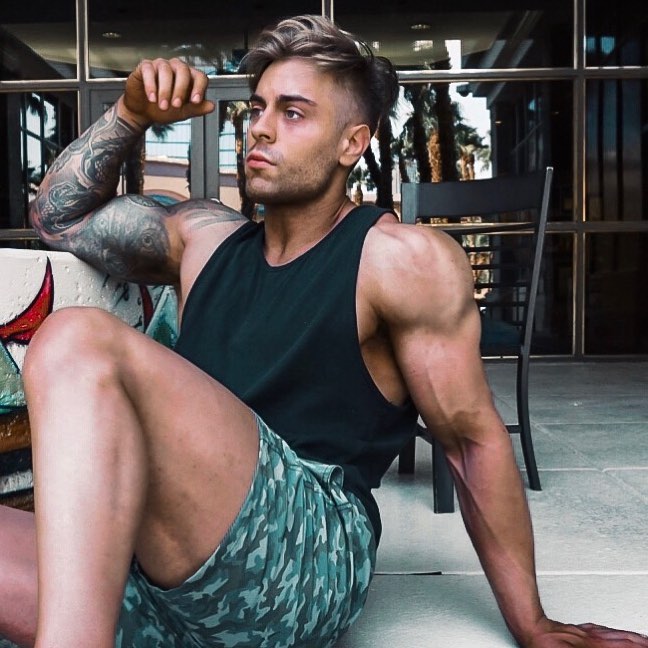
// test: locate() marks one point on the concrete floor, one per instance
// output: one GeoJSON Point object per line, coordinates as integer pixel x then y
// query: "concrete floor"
{"type": "Point", "coordinates": [590, 426]}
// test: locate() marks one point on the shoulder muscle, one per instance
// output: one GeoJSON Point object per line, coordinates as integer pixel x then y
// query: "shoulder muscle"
{"type": "Point", "coordinates": [423, 278]}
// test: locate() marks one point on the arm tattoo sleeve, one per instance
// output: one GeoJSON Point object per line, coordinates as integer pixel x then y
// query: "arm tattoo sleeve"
{"type": "Point", "coordinates": [83, 177]}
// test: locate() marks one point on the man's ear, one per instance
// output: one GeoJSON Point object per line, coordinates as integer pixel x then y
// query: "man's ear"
{"type": "Point", "coordinates": [355, 140]}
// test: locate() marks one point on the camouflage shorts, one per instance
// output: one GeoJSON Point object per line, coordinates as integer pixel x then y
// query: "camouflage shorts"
{"type": "Point", "coordinates": [293, 570]}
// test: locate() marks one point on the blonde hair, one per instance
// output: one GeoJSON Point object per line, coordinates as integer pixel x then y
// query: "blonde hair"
{"type": "Point", "coordinates": [369, 80]}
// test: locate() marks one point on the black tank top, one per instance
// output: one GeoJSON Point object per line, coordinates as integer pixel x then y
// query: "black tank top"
{"type": "Point", "coordinates": [285, 340]}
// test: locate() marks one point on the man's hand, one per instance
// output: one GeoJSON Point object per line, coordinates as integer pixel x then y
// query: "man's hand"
{"type": "Point", "coordinates": [163, 92]}
{"type": "Point", "coordinates": [551, 634]}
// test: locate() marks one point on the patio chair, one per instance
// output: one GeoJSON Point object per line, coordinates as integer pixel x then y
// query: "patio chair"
{"type": "Point", "coordinates": [501, 225]}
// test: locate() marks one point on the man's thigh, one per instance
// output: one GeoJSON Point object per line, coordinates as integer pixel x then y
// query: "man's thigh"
{"type": "Point", "coordinates": [293, 570]}
{"type": "Point", "coordinates": [201, 441]}
{"type": "Point", "coordinates": [18, 578]}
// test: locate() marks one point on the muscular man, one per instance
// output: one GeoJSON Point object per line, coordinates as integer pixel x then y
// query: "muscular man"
{"type": "Point", "coordinates": [168, 513]}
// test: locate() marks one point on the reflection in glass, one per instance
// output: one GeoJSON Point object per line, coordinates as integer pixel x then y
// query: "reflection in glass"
{"type": "Point", "coordinates": [207, 35]}
{"type": "Point", "coordinates": [554, 305]}
{"type": "Point", "coordinates": [552, 331]}
{"type": "Point", "coordinates": [616, 319]}
{"type": "Point", "coordinates": [38, 40]}
{"type": "Point", "coordinates": [503, 281]}
{"type": "Point", "coordinates": [167, 170]}
{"type": "Point", "coordinates": [436, 132]}
{"type": "Point", "coordinates": [417, 35]}
{"type": "Point", "coordinates": [233, 127]}
{"type": "Point", "coordinates": [159, 164]}
{"type": "Point", "coordinates": [39, 125]}
{"type": "Point", "coordinates": [617, 33]}
{"type": "Point", "coordinates": [463, 131]}
{"type": "Point", "coordinates": [617, 150]}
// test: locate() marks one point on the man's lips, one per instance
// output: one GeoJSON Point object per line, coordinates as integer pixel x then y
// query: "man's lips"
{"type": "Point", "coordinates": [258, 160]}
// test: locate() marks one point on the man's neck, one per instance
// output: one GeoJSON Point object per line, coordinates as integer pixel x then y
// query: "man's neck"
{"type": "Point", "coordinates": [291, 230]}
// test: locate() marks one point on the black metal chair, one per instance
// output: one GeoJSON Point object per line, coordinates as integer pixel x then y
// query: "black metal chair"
{"type": "Point", "coordinates": [501, 224]}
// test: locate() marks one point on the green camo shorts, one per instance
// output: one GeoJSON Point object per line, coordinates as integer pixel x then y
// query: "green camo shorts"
{"type": "Point", "coordinates": [293, 570]}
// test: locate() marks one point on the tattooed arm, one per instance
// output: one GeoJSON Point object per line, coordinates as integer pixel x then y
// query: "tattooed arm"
{"type": "Point", "coordinates": [131, 237]}
{"type": "Point", "coordinates": [75, 209]}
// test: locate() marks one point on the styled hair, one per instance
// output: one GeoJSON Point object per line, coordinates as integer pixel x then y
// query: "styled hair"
{"type": "Point", "coordinates": [370, 80]}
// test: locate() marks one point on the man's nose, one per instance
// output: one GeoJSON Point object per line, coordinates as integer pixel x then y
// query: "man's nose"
{"type": "Point", "coordinates": [263, 128]}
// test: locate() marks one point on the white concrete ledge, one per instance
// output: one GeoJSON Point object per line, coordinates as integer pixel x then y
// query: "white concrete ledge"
{"type": "Point", "coordinates": [36, 283]}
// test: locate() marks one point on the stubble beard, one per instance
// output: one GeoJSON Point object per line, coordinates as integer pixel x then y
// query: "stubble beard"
{"type": "Point", "coordinates": [293, 186]}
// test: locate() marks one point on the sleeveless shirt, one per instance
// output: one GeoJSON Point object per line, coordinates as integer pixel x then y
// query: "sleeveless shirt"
{"type": "Point", "coordinates": [284, 339]}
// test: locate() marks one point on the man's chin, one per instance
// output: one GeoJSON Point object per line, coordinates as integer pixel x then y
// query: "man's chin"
{"type": "Point", "coordinates": [271, 198]}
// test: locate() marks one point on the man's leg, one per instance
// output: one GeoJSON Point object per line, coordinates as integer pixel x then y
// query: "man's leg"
{"type": "Point", "coordinates": [135, 451]}
{"type": "Point", "coordinates": [17, 576]}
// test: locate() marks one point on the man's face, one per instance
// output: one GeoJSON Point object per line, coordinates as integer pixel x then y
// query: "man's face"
{"type": "Point", "coordinates": [294, 135]}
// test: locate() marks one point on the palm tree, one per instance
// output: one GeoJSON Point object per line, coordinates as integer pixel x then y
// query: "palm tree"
{"type": "Point", "coordinates": [445, 116]}
{"type": "Point", "coordinates": [425, 136]}
{"type": "Point", "coordinates": [380, 170]}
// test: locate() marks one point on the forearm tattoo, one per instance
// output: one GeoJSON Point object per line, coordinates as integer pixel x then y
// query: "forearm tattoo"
{"type": "Point", "coordinates": [84, 176]}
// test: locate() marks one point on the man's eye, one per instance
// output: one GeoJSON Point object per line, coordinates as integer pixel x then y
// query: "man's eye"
{"type": "Point", "coordinates": [292, 115]}
{"type": "Point", "coordinates": [255, 113]}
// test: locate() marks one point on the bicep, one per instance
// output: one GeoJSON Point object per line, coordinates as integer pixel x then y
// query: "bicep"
{"type": "Point", "coordinates": [435, 328]}
{"type": "Point", "coordinates": [131, 237]}
{"type": "Point", "coordinates": [445, 377]}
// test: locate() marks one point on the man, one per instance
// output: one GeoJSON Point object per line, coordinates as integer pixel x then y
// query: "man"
{"type": "Point", "coordinates": [322, 323]}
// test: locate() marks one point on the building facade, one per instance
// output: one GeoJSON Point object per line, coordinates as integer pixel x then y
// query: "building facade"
{"type": "Point", "coordinates": [509, 87]}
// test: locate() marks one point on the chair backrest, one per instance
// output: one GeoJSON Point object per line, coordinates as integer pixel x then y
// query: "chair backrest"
{"type": "Point", "coordinates": [501, 224]}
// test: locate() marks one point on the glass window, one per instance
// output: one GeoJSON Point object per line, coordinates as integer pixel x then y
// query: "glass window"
{"type": "Point", "coordinates": [554, 303]}
{"type": "Point", "coordinates": [166, 169]}
{"type": "Point", "coordinates": [38, 40]}
{"type": "Point", "coordinates": [442, 131]}
{"type": "Point", "coordinates": [617, 33]}
{"type": "Point", "coordinates": [39, 125]}
{"type": "Point", "coordinates": [205, 34]}
{"type": "Point", "coordinates": [463, 34]}
{"type": "Point", "coordinates": [159, 164]}
{"type": "Point", "coordinates": [233, 127]}
{"type": "Point", "coordinates": [552, 332]}
{"type": "Point", "coordinates": [617, 150]}
{"type": "Point", "coordinates": [616, 320]}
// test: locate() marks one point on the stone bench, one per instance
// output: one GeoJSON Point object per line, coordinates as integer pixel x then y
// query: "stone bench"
{"type": "Point", "coordinates": [34, 284]}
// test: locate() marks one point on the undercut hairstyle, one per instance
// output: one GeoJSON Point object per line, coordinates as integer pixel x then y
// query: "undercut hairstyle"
{"type": "Point", "coordinates": [369, 80]}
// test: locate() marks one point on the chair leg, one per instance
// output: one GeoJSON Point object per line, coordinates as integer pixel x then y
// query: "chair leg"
{"type": "Point", "coordinates": [406, 458]}
{"type": "Point", "coordinates": [442, 483]}
{"type": "Point", "coordinates": [524, 422]}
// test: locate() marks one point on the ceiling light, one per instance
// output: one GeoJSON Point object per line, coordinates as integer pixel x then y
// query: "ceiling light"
{"type": "Point", "coordinates": [420, 45]}
{"type": "Point", "coordinates": [111, 34]}
{"type": "Point", "coordinates": [420, 26]}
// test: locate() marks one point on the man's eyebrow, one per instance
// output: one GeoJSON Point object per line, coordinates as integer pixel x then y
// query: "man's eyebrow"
{"type": "Point", "coordinates": [295, 98]}
{"type": "Point", "coordinates": [255, 98]}
{"type": "Point", "coordinates": [283, 99]}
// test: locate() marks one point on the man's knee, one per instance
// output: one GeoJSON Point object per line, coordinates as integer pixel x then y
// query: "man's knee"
{"type": "Point", "coordinates": [68, 340]}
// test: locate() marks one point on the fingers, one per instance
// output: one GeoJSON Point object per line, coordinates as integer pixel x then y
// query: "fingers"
{"type": "Point", "coordinates": [612, 637]}
{"type": "Point", "coordinates": [172, 83]}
